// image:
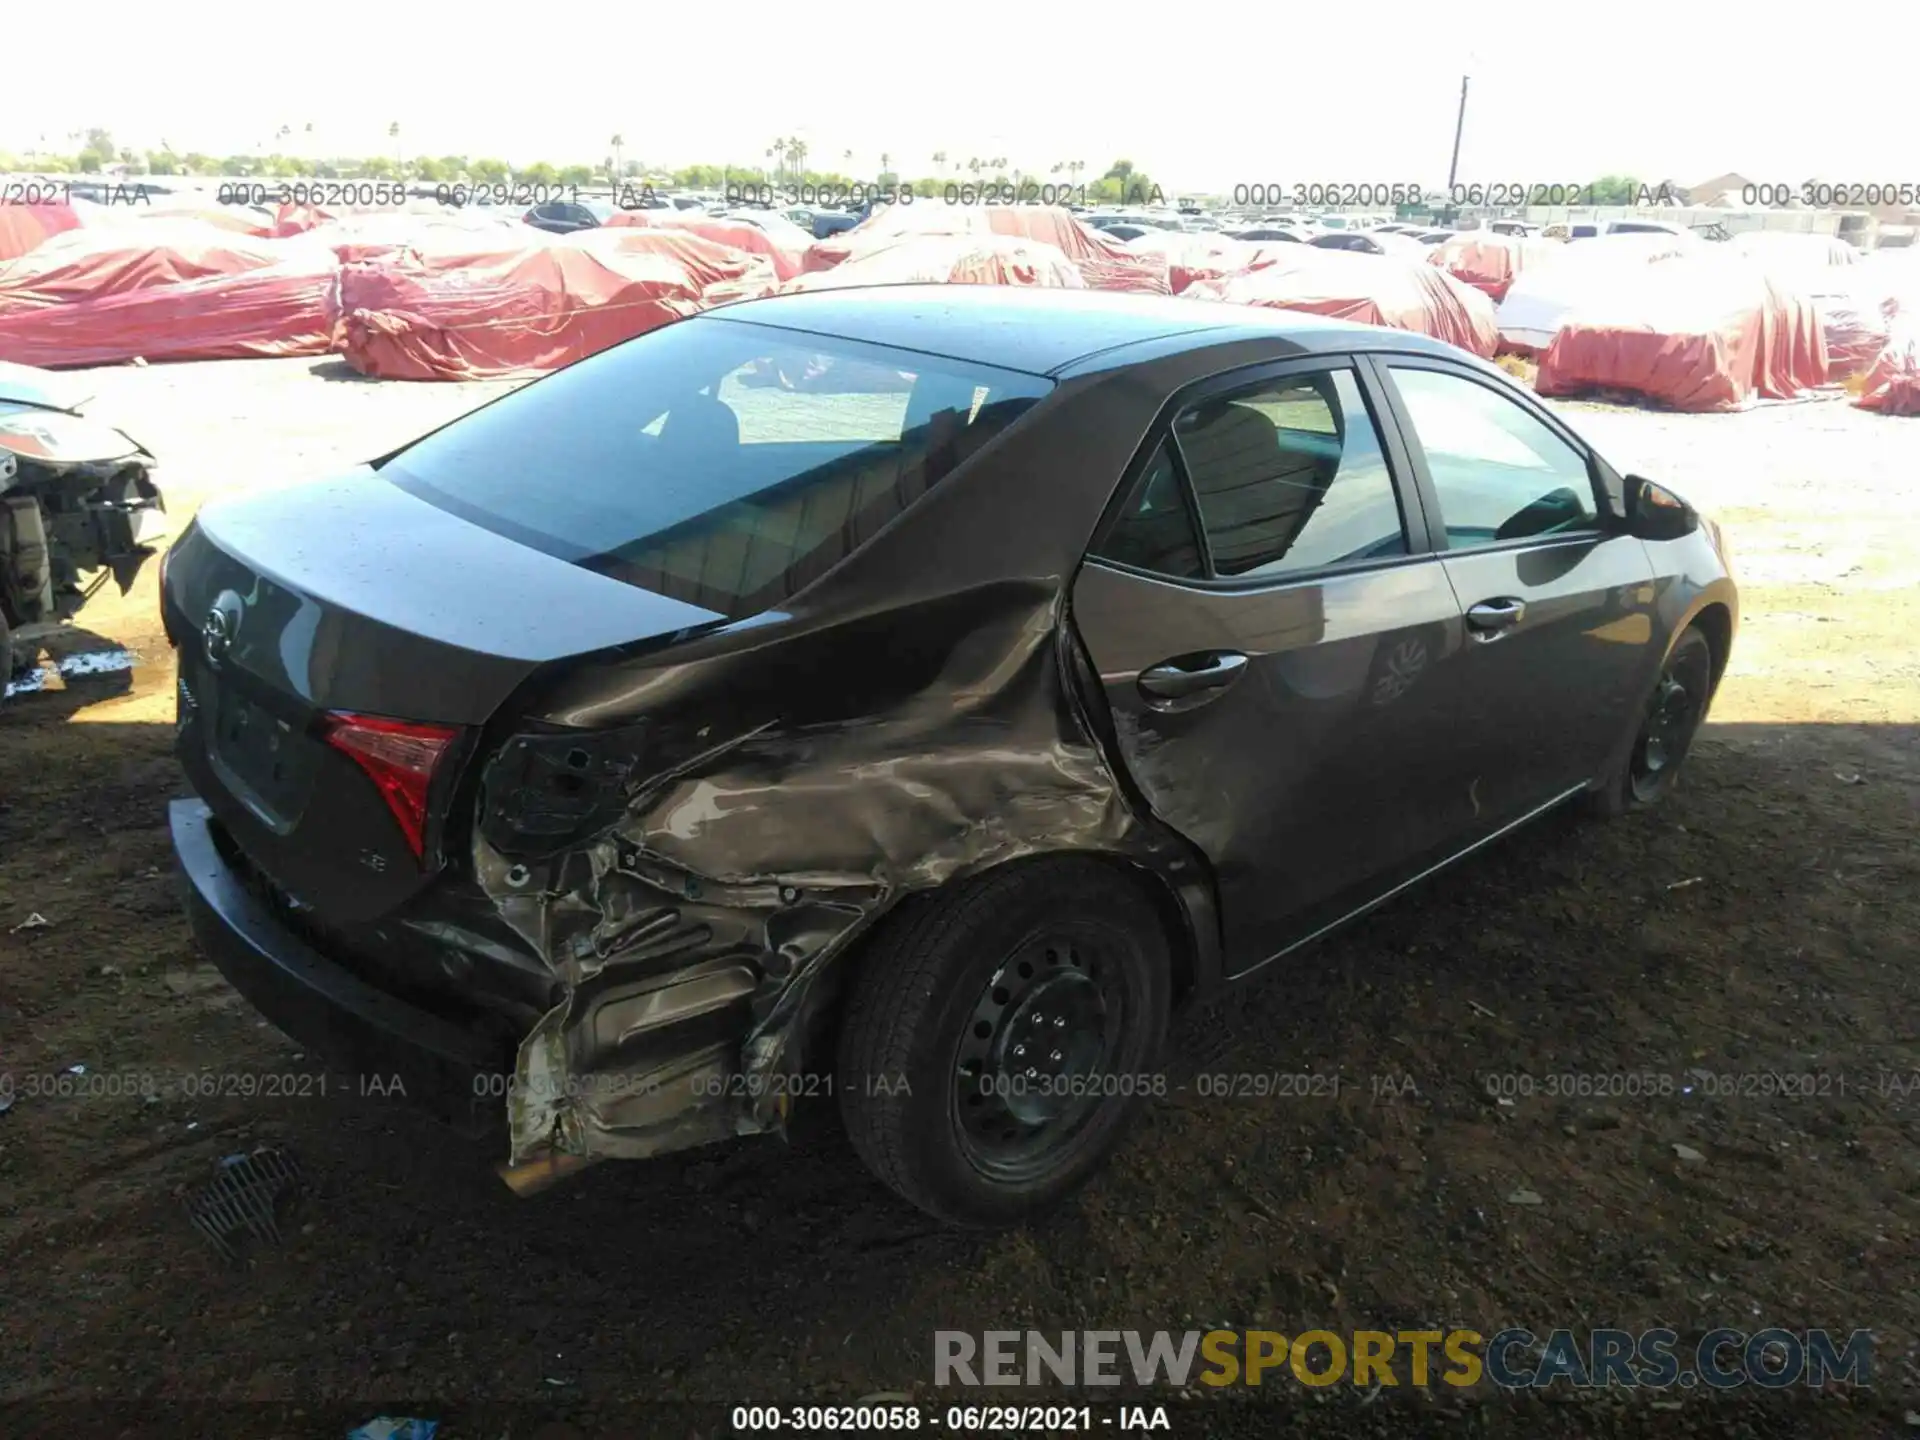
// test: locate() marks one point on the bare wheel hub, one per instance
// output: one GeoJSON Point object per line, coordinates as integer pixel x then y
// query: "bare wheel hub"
{"type": "Point", "coordinates": [1027, 1069]}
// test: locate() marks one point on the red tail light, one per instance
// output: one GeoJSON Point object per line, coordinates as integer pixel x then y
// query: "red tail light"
{"type": "Point", "coordinates": [399, 756]}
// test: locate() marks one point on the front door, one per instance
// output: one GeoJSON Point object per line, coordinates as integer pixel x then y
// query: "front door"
{"type": "Point", "coordinates": [1275, 643]}
{"type": "Point", "coordinates": [1558, 601]}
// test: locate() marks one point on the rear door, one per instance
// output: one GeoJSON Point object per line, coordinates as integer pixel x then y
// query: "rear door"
{"type": "Point", "coordinates": [1558, 599]}
{"type": "Point", "coordinates": [1274, 642]}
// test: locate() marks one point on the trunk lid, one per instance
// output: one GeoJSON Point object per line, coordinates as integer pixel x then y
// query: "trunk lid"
{"type": "Point", "coordinates": [350, 595]}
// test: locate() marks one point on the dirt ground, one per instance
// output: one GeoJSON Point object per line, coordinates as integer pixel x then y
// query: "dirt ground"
{"type": "Point", "coordinates": [1762, 924]}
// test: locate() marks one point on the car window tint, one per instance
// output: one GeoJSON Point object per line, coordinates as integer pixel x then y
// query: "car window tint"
{"type": "Point", "coordinates": [721, 463]}
{"type": "Point", "coordinates": [1154, 530]}
{"type": "Point", "coordinates": [1499, 472]}
{"type": "Point", "coordinates": [1291, 478]}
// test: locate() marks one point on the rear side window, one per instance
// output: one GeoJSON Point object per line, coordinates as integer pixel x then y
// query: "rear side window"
{"type": "Point", "coordinates": [1291, 477]}
{"type": "Point", "coordinates": [724, 464]}
{"type": "Point", "coordinates": [1154, 530]}
{"type": "Point", "coordinates": [1288, 478]}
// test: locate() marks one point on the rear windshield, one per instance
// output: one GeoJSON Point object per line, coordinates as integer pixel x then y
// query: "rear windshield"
{"type": "Point", "coordinates": [721, 463]}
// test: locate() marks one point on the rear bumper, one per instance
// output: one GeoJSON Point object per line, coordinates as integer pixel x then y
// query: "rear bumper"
{"type": "Point", "coordinates": [353, 1026]}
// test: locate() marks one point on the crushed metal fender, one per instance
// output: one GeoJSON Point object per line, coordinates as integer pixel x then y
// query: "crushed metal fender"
{"type": "Point", "coordinates": [690, 841]}
{"type": "Point", "coordinates": [731, 883]}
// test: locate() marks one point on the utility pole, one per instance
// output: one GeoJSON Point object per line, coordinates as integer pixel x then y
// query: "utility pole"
{"type": "Point", "coordinates": [1459, 124]}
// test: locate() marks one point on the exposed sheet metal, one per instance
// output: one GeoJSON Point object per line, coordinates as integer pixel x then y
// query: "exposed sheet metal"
{"type": "Point", "coordinates": [750, 803]}
{"type": "Point", "coordinates": [692, 935]}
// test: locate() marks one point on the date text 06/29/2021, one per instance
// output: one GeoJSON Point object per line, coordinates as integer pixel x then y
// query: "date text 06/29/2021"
{"type": "Point", "coordinates": [884, 1414]}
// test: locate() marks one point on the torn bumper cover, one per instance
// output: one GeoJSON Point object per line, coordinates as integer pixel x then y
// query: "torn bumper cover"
{"type": "Point", "coordinates": [696, 933]}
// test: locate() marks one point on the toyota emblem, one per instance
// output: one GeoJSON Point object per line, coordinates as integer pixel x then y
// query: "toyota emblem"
{"type": "Point", "coordinates": [216, 631]}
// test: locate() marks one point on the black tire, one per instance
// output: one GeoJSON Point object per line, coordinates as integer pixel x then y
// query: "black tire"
{"type": "Point", "coordinates": [912, 1082]}
{"type": "Point", "coordinates": [1669, 719]}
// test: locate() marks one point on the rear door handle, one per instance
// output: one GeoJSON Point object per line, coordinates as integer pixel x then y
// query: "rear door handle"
{"type": "Point", "coordinates": [1190, 674]}
{"type": "Point", "coordinates": [1491, 619]}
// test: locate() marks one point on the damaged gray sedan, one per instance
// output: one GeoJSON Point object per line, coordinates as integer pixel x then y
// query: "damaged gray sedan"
{"type": "Point", "coordinates": [909, 696]}
{"type": "Point", "coordinates": [77, 505]}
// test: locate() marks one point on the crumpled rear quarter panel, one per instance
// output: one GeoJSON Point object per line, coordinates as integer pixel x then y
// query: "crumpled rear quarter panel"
{"type": "Point", "coordinates": [734, 879]}
{"type": "Point", "coordinates": [913, 718]}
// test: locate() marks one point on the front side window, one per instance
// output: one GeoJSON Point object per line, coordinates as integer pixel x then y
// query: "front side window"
{"type": "Point", "coordinates": [1500, 473]}
{"type": "Point", "coordinates": [1291, 477]}
{"type": "Point", "coordinates": [721, 463]}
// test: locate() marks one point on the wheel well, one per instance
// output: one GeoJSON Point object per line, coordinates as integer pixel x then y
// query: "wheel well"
{"type": "Point", "coordinates": [1173, 921]}
{"type": "Point", "coordinates": [1716, 623]}
{"type": "Point", "coordinates": [829, 1001]}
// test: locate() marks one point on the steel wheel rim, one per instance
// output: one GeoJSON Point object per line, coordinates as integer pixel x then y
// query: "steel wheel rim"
{"type": "Point", "coordinates": [1673, 714]}
{"type": "Point", "coordinates": [1040, 1039]}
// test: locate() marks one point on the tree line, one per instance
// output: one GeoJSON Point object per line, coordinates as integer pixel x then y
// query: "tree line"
{"type": "Point", "coordinates": [785, 167]}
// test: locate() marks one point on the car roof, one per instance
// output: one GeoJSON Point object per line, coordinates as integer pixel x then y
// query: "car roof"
{"type": "Point", "coordinates": [1046, 331]}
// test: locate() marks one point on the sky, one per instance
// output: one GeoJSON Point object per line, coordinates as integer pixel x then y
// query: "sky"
{"type": "Point", "coordinates": [1242, 93]}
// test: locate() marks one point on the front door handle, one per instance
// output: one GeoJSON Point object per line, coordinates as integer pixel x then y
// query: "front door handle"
{"type": "Point", "coordinates": [1190, 674]}
{"type": "Point", "coordinates": [1491, 619]}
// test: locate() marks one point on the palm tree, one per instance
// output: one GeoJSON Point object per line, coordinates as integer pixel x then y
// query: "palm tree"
{"type": "Point", "coordinates": [779, 154]}
{"type": "Point", "coordinates": [393, 134]}
{"type": "Point", "coordinates": [797, 155]}
{"type": "Point", "coordinates": [618, 142]}
{"type": "Point", "coordinates": [939, 159]}
{"type": "Point", "coordinates": [886, 163]}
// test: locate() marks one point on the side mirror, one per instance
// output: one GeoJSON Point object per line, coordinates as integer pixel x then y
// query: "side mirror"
{"type": "Point", "coordinates": [1656, 513]}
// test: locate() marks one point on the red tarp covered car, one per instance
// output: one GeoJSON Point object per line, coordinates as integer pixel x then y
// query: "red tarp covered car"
{"type": "Point", "coordinates": [1194, 259]}
{"type": "Point", "coordinates": [1600, 271]}
{"type": "Point", "coordinates": [782, 242]}
{"type": "Point", "coordinates": [525, 310]}
{"type": "Point", "coordinates": [1892, 384]}
{"type": "Point", "coordinates": [92, 263]}
{"type": "Point", "coordinates": [1371, 289]}
{"type": "Point", "coordinates": [1489, 262]}
{"type": "Point", "coordinates": [370, 237]}
{"type": "Point", "coordinates": [949, 259]}
{"type": "Point", "coordinates": [24, 227]}
{"type": "Point", "coordinates": [1706, 332]}
{"type": "Point", "coordinates": [1849, 292]}
{"type": "Point", "coordinates": [1104, 264]}
{"type": "Point", "coordinates": [164, 290]}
